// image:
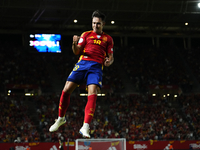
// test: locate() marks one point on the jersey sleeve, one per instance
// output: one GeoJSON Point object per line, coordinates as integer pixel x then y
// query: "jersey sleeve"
{"type": "Point", "coordinates": [110, 45]}
{"type": "Point", "coordinates": [82, 40]}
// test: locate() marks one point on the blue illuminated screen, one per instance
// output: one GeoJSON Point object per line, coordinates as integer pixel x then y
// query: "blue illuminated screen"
{"type": "Point", "coordinates": [46, 42]}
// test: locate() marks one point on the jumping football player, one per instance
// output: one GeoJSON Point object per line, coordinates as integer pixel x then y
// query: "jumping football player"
{"type": "Point", "coordinates": [96, 50]}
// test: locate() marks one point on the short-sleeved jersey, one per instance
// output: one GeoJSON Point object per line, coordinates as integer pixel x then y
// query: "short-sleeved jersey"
{"type": "Point", "coordinates": [96, 46]}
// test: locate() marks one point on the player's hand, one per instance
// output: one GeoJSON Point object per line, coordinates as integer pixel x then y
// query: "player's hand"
{"type": "Point", "coordinates": [107, 62]}
{"type": "Point", "coordinates": [75, 38]}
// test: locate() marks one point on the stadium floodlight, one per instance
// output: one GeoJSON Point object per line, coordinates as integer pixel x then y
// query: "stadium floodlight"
{"type": "Point", "coordinates": [101, 144]}
{"type": "Point", "coordinates": [101, 94]}
{"type": "Point", "coordinates": [198, 5]}
{"type": "Point", "coordinates": [83, 94]}
{"type": "Point", "coordinates": [153, 94]}
{"type": "Point", "coordinates": [29, 94]}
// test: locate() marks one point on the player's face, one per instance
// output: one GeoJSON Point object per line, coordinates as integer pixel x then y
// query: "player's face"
{"type": "Point", "coordinates": [97, 25]}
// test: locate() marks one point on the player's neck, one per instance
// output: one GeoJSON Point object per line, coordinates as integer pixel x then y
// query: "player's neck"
{"type": "Point", "coordinates": [98, 32]}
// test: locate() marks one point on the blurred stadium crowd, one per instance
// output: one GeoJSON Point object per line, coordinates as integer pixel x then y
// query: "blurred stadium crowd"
{"type": "Point", "coordinates": [134, 116]}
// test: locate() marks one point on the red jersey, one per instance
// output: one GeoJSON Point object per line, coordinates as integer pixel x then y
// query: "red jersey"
{"type": "Point", "coordinates": [96, 46]}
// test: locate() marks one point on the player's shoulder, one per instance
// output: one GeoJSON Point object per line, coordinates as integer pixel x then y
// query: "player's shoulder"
{"type": "Point", "coordinates": [108, 37]}
{"type": "Point", "coordinates": [105, 34]}
{"type": "Point", "coordinates": [85, 33]}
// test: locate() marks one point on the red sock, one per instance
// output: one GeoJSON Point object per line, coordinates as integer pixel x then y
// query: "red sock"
{"type": "Point", "coordinates": [90, 108]}
{"type": "Point", "coordinates": [64, 103]}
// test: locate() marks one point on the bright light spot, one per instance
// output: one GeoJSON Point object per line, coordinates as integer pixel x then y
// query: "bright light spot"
{"type": "Point", "coordinates": [29, 94]}
{"type": "Point", "coordinates": [83, 94]}
{"type": "Point", "coordinates": [112, 22]}
{"type": "Point", "coordinates": [75, 21]}
{"type": "Point", "coordinates": [164, 95]}
{"type": "Point", "coordinates": [175, 95]}
{"type": "Point", "coordinates": [186, 23]}
{"type": "Point", "coordinates": [31, 36]}
{"type": "Point", "coordinates": [153, 94]}
{"type": "Point", "coordinates": [101, 94]}
{"type": "Point", "coordinates": [9, 91]}
{"type": "Point", "coordinates": [168, 94]}
{"type": "Point", "coordinates": [198, 5]}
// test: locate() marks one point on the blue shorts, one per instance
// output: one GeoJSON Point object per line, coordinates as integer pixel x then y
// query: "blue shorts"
{"type": "Point", "coordinates": [89, 70]}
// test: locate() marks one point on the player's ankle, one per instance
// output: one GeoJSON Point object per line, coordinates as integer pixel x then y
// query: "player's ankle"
{"type": "Point", "coordinates": [61, 118]}
{"type": "Point", "coordinates": [86, 125]}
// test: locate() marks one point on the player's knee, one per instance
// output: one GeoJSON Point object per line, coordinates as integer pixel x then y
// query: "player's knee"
{"type": "Point", "coordinates": [92, 89]}
{"type": "Point", "coordinates": [69, 87]}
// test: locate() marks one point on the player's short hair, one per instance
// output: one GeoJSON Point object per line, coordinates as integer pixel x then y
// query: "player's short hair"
{"type": "Point", "coordinates": [99, 14]}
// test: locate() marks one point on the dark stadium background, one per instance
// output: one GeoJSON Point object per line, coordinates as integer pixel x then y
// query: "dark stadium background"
{"type": "Point", "coordinates": [151, 90]}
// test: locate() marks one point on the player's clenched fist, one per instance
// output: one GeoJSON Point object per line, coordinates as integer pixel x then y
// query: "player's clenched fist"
{"type": "Point", "coordinates": [75, 38]}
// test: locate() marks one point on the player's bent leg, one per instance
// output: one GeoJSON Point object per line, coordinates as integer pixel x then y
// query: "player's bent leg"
{"type": "Point", "coordinates": [63, 105]}
{"type": "Point", "coordinates": [89, 110]}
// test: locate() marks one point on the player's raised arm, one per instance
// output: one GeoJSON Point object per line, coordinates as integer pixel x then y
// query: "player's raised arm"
{"type": "Point", "coordinates": [75, 47]}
